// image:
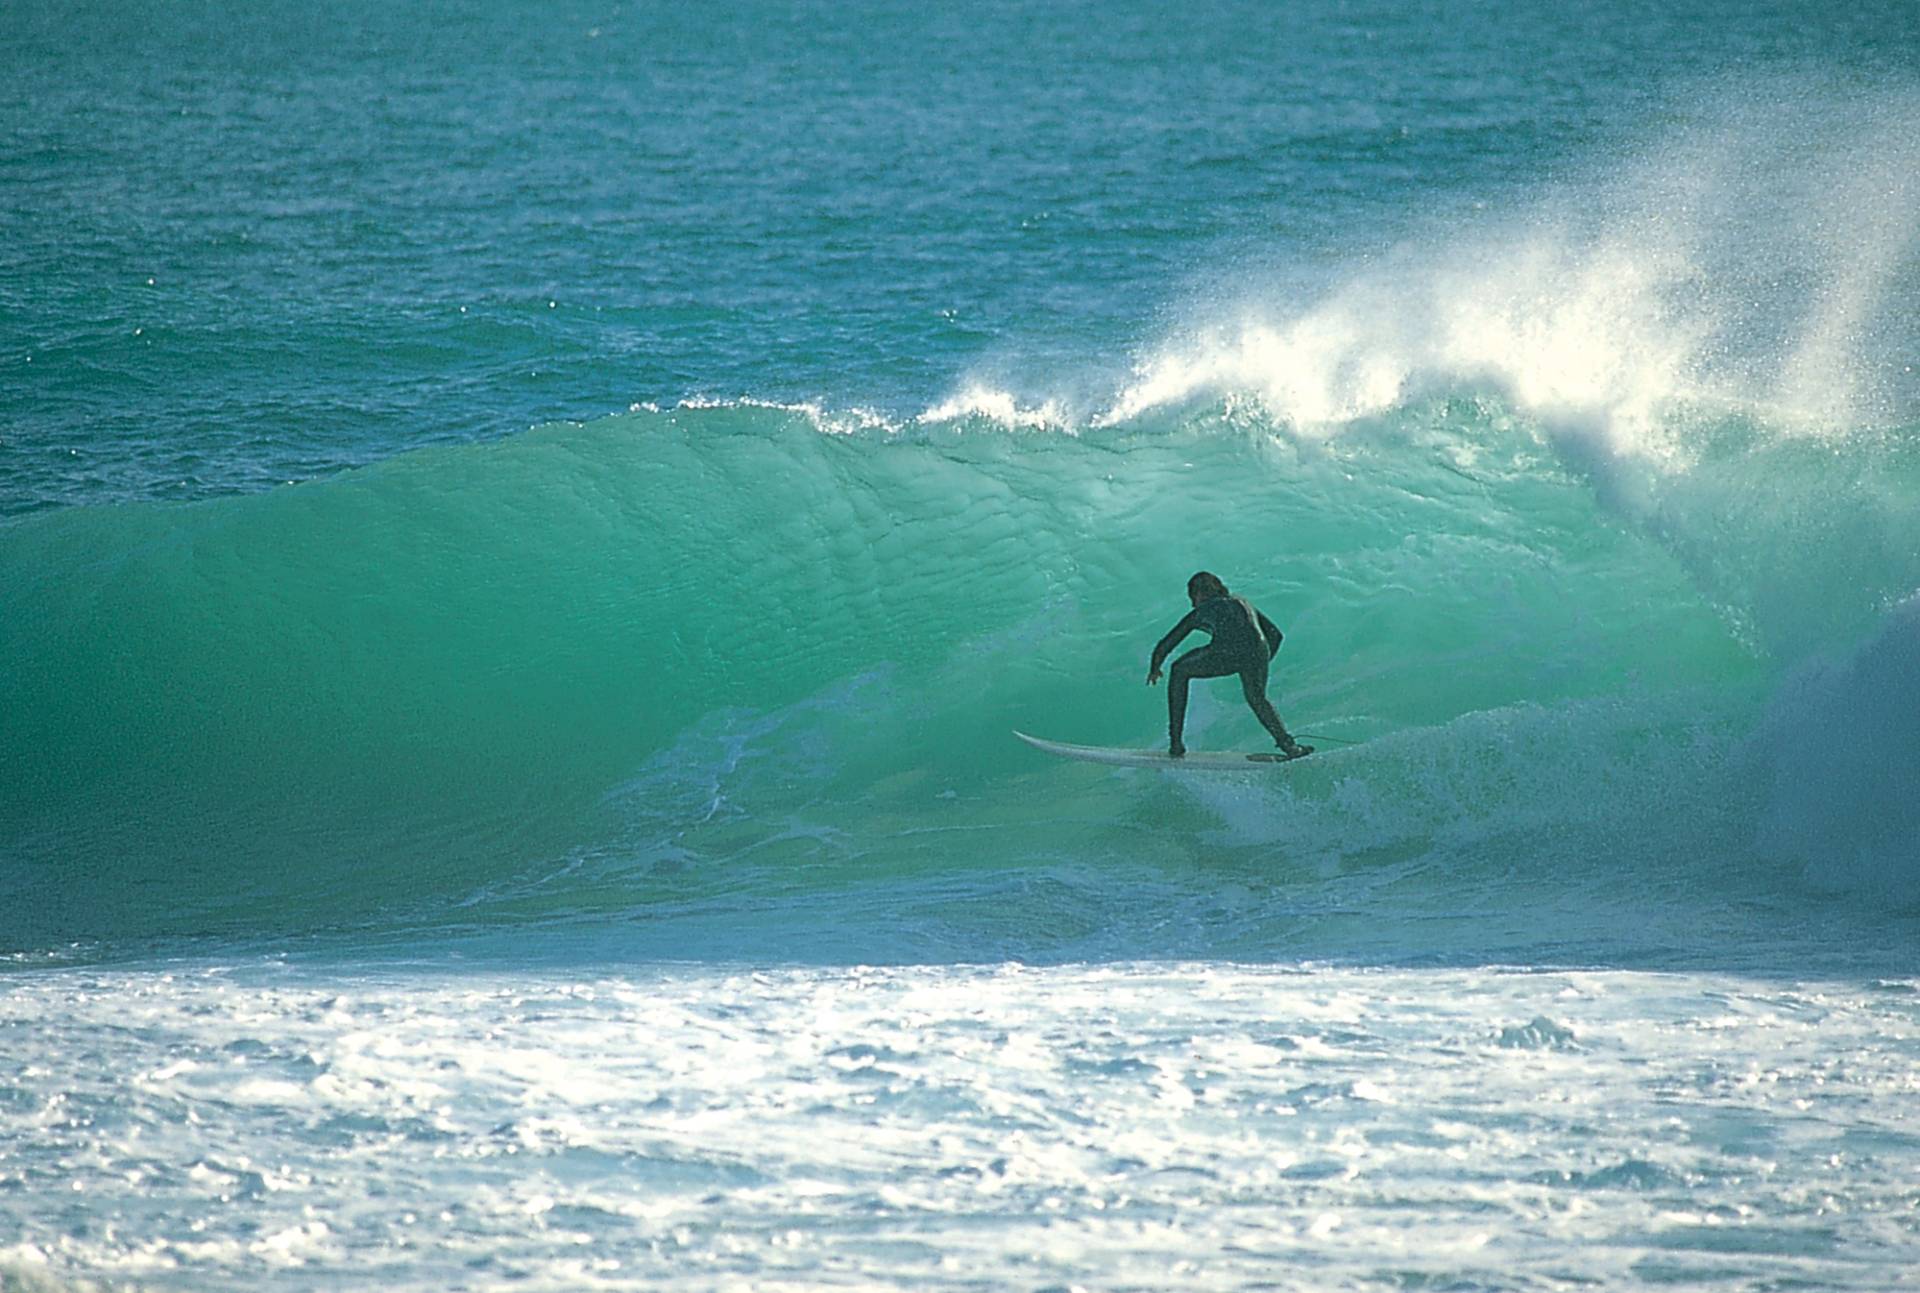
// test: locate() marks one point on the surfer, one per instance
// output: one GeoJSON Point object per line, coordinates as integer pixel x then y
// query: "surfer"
{"type": "Point", "coordinates": [1244, 641]}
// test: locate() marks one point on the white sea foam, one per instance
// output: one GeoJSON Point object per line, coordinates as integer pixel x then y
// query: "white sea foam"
{"type": "Point", "coordinates": [1170, 1126]}
{"type": "Point", "coordinates": [1001, 406]}
{"type": "Point", "coordinates": [835, 421]}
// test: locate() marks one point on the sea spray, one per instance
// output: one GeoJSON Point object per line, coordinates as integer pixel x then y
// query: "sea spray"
{"type": "Point", "coordinates": [1759, 258]}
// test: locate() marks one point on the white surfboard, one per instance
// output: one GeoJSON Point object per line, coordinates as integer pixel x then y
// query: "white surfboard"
{"type": "Point", "coordinates": [1197, 760]}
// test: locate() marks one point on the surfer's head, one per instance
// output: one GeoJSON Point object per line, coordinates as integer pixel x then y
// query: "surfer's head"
{"type": "Point", "coordinates": [1204, 587]}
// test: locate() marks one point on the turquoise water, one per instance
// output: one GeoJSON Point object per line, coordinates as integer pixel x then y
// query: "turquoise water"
{"type": "Point", "coordinates": [524, 535]}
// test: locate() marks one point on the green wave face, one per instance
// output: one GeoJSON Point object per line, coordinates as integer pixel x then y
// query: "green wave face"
{"type": "Point", "coordinates": [732, 654]}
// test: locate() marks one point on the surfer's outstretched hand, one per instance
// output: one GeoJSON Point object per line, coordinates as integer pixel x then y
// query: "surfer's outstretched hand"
{"type": "Point", "coordinates": [1153, 676]}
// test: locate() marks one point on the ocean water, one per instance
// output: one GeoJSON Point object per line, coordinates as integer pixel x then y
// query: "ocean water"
{"type": "Point", "coordinates": [525, 532]}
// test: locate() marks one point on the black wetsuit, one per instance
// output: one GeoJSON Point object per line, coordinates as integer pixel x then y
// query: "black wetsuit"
{"type": "Point", "coordinates": [1244, 641]}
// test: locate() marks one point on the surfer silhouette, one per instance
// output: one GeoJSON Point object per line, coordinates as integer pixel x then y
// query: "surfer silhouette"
{"type": "Point", "coordinates": [1244, 641]}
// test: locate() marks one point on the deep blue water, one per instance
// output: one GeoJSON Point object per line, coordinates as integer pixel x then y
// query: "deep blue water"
{"type": "Point", "coordinates": [252, 246]}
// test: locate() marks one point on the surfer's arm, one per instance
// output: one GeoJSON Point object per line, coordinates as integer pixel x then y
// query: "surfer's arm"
{"type": "Point", "coordinates": [1166, 644]}
{"type": "Point", "coordinates": [1272, 633]}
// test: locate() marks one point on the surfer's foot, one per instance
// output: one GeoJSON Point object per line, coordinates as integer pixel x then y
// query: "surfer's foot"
{"type": "Point", "coordinates": [1175, 750]}
{"type": "Point", "coordinates": [1293, 749]}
